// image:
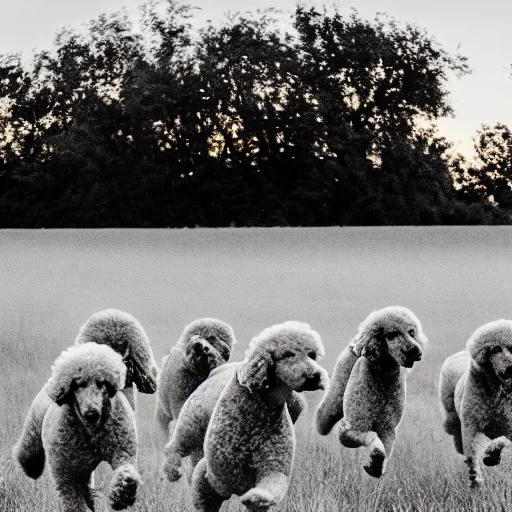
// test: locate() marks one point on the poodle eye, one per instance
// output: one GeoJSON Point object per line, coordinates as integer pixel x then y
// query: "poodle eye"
{"type": "Point", "coordinates": [312, 355]}
{"type": "Point", "coordinates": [411, 333]}
{"type": "Point", "coordinates": [390, 336]}
{"type": "Point", "coordinates": [496, 349]}
{"type": "Point", "coordinates": [287, 354]}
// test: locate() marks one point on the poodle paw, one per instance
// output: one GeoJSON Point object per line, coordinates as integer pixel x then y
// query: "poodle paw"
{"type": "Point", "coordinates": [375, 466]}
{"type": "Point", "coordinates": [172, 472]}
{"type": "Point", "coordinates": [492, 455]}
{"type": "Point", "coordinates": [475, 483]}
{"type": "Point", "coordinates": [475, 475]}
{"type": "Point", "coordinates": [258, 500]}
{"type": "Point", "coordinates": [492, 458]}
{"type": "Point", "coordinates": [123, 490]}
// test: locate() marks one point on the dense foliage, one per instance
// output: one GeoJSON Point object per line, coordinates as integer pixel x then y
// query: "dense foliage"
{"type": "Point", "coordinates": [244, 124]}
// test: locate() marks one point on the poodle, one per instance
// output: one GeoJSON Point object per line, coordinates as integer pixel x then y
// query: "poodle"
{"type": "Point", "coordinates": [475, 389]}
{"type": "Point", "coordinates": [367, 390]}
{"type": "Point", "coordinates": [190, 430]}
{"type": "Point", "coordinates": [250, 441]}
{"type": "Point", "coordinates": [124, 334]}
{"type": "Point", "coordinates": [88, 422]}
{"type": "Point", "coordinates": [204, 345]}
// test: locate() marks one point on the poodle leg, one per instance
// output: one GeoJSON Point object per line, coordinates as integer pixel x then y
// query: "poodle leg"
{"type": "Point", "coordinates": [173, 455]}
{"type": "Point", "coordinates": [29, 450]}
{"type": "Point", "coordinates": [123, 486]}
{"type": "Point", "coordinates": [204, 496]}
{"type": "Point", "coordinates": [472, 442]}
{"type": "Point", "coordinates": [388, 440]}
{"type": "Point", "coordinates": [330, 410]}
{"type": "Point", "coordinates": [74, 492]}
{"type": "Point", "coordinates": [492, 454]}
{"type": "Point", "coordinates": [191, 462]}
{"type": "Point", "coordinates": [355, 438]}
{"type": "Point", "coordinates": [163, 422]}
{"type": "Point", "coordinates": [187, 438]}
{"type": "Point", "coordinates": [452, 426]}
{"type": "Point", "coordinates": [268, 491]}
{"type": "Point", "coordinates": [89, 492]}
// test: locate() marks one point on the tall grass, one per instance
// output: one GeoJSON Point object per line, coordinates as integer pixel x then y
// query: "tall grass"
{"type": "Point", "coordinates": [454, 280]}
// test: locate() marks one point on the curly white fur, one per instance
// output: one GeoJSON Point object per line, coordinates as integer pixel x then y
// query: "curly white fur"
{"type": "Point", "coordinates": [367, 390]}
{"type": "Point", "coordinates": [185, 448]}
{"type": "Point", "coordinates": [124, 334]}
{"type": "Point", "coordinates": [250, 442]}
{"type": "Point", "coordinates": [87, 422]}
{"type": "Point", "coordinates": [475, 391]}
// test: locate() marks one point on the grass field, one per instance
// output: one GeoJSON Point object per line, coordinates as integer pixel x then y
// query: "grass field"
{"type": "Point", "coordinates": [454, 279]}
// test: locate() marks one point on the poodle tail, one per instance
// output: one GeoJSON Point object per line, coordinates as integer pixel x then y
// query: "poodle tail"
{"type": "Point", "coordinates": [29, 450]}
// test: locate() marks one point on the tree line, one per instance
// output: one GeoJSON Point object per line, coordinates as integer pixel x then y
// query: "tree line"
{"type": "Point", "coordinates": [325, 120]}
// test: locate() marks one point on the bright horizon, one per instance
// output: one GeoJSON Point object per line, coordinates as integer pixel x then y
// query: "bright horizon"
{"type": "Point", "coordinates": [483, 31]}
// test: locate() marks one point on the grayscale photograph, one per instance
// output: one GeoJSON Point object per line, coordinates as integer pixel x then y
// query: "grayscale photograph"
{"type": "Point", "coordinates": [255, 256]}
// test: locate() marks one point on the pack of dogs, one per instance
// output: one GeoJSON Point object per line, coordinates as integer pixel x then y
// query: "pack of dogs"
{"type": "Point", "coordinates": [228, 427]}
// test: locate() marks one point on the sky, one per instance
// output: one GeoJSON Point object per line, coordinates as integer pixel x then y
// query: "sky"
{"type": "Point", "coordinates": [483, 29]}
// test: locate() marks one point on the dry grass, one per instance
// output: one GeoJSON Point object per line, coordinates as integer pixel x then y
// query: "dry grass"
{"type": "Point", "coordinates": [454, 280]}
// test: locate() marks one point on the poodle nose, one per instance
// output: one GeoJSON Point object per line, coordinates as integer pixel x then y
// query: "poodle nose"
{"type": "Point", "coordinates": [199, 347]}
{"type": "Point", "coordinates": [91, 416]}
{"type": "Point", "coordinates": [316, 377]}
{"type": "Point", "coordinates": [412, 351]}
{"type": "Point", "coordinates": [313, 381]}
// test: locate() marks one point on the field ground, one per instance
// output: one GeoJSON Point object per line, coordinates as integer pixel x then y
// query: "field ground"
{"type": "Point", "coordinates": [454, 279]}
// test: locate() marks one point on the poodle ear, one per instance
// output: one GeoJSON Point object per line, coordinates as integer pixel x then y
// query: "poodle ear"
{"type": "Point", "coordinates": [144, 370]}
{"type": "Point", "coordinates": [145, 377]}
{"type": "Point", "coordinates": [60, 390]}
{"type": "Point", "coordinates": [367, 344]}
{"type": "Point", "coordinates": [253, 374]}
{"type": "Point", "coordinates": [479, 352]}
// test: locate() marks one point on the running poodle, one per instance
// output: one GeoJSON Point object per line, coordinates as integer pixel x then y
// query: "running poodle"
{"type": "Point", "coordinates": [367, 390]}
{"type": "Point", "coordinates": [88, 422]}
{"type": "Point", "coordinates": [250, 440]}
{"type": "Point", "coordinates": [185, 448]}
{"type": "Point", "coordinates": [204, 345]}
{"type": "Point", "coordinates": [475, 390]}
{"type": "Point", "coordinates": [125, 335]}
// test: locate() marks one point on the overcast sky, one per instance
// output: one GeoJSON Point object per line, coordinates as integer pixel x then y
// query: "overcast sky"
{"type": "Point", "coordinates": [483, 29]}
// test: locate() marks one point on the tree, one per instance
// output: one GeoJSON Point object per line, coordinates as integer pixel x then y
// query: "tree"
{"type": "Point", "coordinates": [489, 177]}
{"type": "Point", "coordinates": [242, 124]}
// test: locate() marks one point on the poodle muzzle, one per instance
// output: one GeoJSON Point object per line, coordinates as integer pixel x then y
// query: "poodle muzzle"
{"type": "Point", "coordinates": [92, 407]}
{"type": "Point", "coordinates": [412, 353]}
{"type": "Point", "coordinates": [203, 354]}
{"type": "Point", "coordinates": [317, 380]}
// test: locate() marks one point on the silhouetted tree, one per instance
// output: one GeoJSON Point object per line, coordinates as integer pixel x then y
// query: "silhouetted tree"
{"type": "Point", "coordinates": [241, 124]}
{"type": "Point", "coordinates": [489, 178]}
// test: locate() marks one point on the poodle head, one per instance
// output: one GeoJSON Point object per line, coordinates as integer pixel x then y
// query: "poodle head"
{"type": "Point", "coordinates": [392, 332]}
{"type": "Point", "coordinates": [87, 377]}
{"type": "Point", "coordinates": [286, 353]}
{"type": "Point", "coordinates": [207, 343]}
{"type": "Point", "coordinates": [124, 333]}
{"type": "Point", "coordinates": [490, 347]}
